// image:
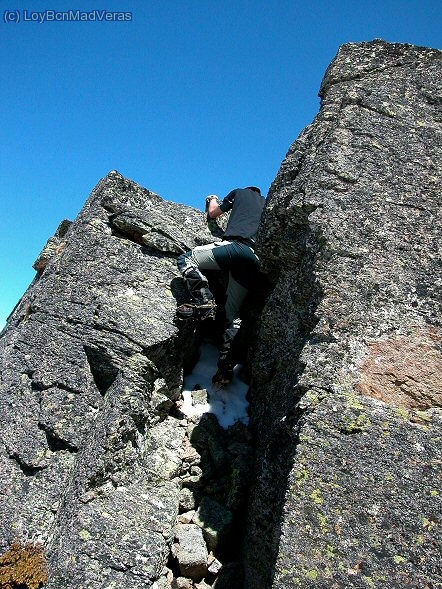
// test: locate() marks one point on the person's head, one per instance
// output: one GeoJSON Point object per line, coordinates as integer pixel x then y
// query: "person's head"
{"type": "Point", "coordinates": [254, 188]}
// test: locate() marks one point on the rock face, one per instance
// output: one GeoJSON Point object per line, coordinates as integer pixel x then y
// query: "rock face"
{"type": "Point", "coordinates": [347, 370]}
{"type": "Point", "coordinates": [91, 365]}
{"type": "Point", "coordinates": [98, 464]}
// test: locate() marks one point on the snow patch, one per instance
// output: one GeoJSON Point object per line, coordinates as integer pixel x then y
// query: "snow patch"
{"type": "Point", "coordinates": [228, 403]}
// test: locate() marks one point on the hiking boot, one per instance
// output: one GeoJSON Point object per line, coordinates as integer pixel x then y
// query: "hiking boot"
{"type": "Point", "coordinates": [193, 311]}
{"type": "Point", "coordinates": [223, 376]}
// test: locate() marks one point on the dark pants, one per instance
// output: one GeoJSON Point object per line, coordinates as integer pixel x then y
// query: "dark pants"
{"type": "Point", "coordinates": [242, 264]}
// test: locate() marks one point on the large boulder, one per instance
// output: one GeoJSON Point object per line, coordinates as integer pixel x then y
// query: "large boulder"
{"type": "Point", "coordinates": [346, 390]}
{"type": "Point", "coordinates": [91, 363]}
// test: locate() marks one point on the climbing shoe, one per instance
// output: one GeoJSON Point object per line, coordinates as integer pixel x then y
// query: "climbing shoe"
{"type": "Point", "coordinates": [223, 376]}
{"type": "Point", "coordinates": [193, 311]}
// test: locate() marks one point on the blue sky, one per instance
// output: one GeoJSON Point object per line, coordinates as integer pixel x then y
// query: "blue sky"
{"type": "Point", "coordinates": [189, 97]}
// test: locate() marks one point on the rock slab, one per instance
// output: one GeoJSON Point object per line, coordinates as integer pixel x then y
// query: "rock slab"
{"type": "Point", "coordinates": [191, 551]}
{"type": "Point", "coordinates": [346, 376]}
{"type": "Point", "coordinates": [91, 365]}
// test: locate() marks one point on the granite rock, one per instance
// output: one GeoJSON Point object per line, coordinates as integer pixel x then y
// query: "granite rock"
{"type": "Point", "coordinates": [91, 365]}
{"type": "Point", "coordinates": [191, 552]}
{"type": "Point", "coordinates": [345, 393]}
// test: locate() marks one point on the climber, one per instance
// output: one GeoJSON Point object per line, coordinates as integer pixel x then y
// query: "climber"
{"type": "Point", "coordinates": [234, 253]}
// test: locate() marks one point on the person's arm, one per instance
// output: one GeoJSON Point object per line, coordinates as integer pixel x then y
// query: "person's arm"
{"type": "Point", "coordinates": [214, 208]}
{"type": "Point", "coordinates": [227, 203]}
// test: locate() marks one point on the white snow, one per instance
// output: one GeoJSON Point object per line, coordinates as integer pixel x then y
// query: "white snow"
{"type": "Point", "coordinates": [228, 403]}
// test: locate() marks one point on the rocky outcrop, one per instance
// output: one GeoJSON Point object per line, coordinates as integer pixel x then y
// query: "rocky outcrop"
{"type": "Point", "coordinates": [107, 483]}
{"type": "Point", "coordinates": [91, 366]}
{"type": "Point", "coordinates": [346, 376]}
{"type": "Point", "coordinates": [100, 466]}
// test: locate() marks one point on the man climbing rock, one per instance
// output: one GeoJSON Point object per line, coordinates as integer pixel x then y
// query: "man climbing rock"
{"type": "Point", "coordinates": [235, 253]}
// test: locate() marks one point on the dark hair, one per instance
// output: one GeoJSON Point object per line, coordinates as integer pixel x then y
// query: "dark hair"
{"type": "Point", "coordinates": [255, 188]}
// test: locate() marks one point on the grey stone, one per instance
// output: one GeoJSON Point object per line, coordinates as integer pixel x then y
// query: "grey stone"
{"type": "Point", "coordinates": [127, 523]}
{"type": "Point", "coordinates": [162, 583]}
{"type": "Point", "coordinates": [352, 498]}
{"type": "Point", "coordinates": [161, 400]}
{"type": "Point", "coordinates": [199, 397]}
{"type": "Point", "coordinates": [186, 499]}
{"type": "Point", "coordinates": [193, 481]}
{"type": "Point", "coordinates": [346, 378]}
{"type": "Point", "coordinates": [54, 246]}
{"type": "Point", "coordinates": [182, 583]}
{"type": "Point", "coordinates": [189, 455]}
{"type": "Point", "coordinates": [162, 446]}
{"type": "Point", "coordinates": [91, 365]}
{"type": "Point", "coordinates": [192, 551]}
{"type": "Point", "coordinates": [156, 228]}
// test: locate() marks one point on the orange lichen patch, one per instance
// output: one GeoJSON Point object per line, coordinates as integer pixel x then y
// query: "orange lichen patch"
{"type": "Point", "coordinates": [405, 371]}
{"type": "Point", "coordinates": [23, 566]}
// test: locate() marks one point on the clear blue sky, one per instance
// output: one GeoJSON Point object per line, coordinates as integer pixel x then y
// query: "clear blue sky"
{"type": "Point", "coordinates": [190, 97]}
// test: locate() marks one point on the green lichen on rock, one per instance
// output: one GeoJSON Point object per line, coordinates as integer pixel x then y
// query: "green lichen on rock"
{"type": "Point", "coordinates": [317, 497]}
{"type": "Point", "coordinates": [323, 525]}
{"type": "Point", "coordinates": [332, 510]}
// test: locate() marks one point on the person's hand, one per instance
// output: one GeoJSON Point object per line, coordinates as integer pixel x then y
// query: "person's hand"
{"type": "Point", "coordinates": [209, 198]}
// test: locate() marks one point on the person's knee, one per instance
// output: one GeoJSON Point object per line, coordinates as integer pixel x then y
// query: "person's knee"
{"type": "Point", "coordinates": [185, 262]}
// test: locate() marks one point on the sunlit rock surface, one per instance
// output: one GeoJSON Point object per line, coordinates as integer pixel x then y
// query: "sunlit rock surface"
{"type": "Point", "coordinates": [91, 365]}
{"type": "Point", "coordinates": [347, 371]}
